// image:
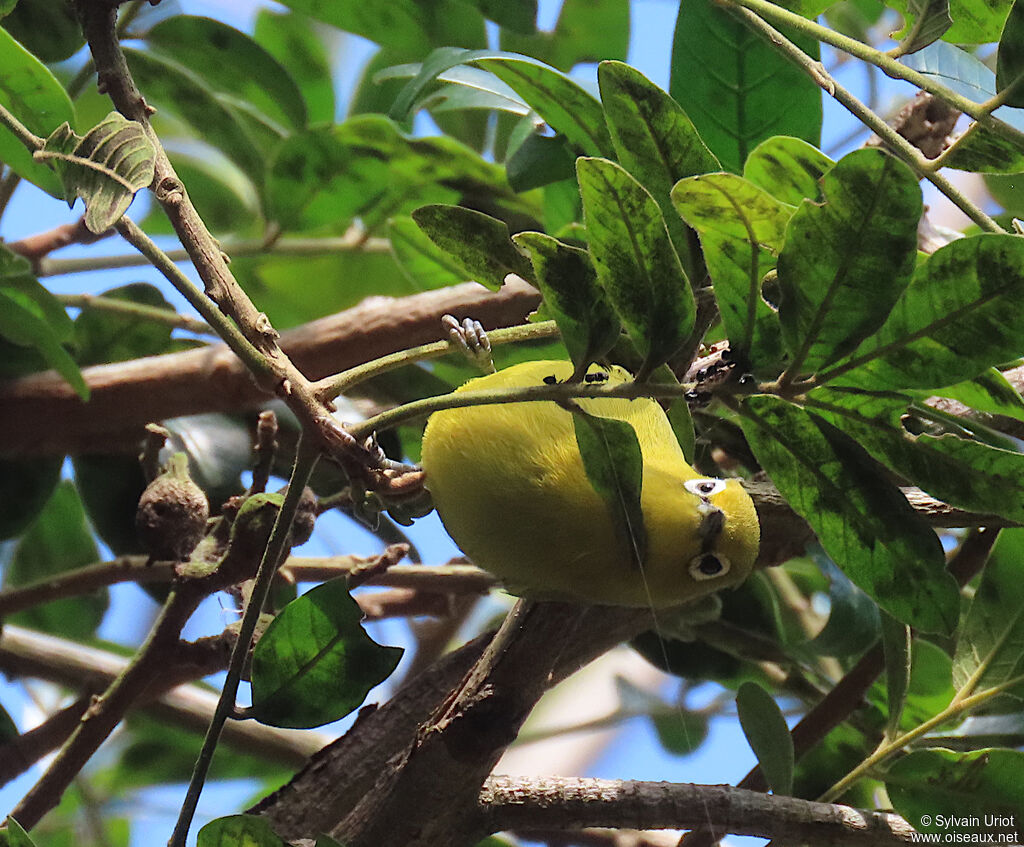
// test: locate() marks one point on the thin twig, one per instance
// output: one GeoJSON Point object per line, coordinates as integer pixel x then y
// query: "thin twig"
{"type": "Point", "coordinates": [305, 461]}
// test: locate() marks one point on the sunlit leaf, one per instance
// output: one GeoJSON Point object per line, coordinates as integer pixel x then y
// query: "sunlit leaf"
{"type": "Point", "coordinates": [636, 263]}
{"type": "Point", "coordinates": [789, 169]}
{"type": "Point", "coordinates": [238, 831]}
{"type": "Point", "coordinates": [846, 261]}
{"type": "Point", "coordinates": [586, 31]}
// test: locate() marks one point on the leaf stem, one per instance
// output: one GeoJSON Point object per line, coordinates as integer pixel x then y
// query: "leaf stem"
{"type": "Point", "coordinates": [135, 310]}
{"type": "Point", "coordinates": [305, 460]}
{"type": "Point", "coordinates": [332, 386]}
{"type": "Point", "coordinates": [899, 145]}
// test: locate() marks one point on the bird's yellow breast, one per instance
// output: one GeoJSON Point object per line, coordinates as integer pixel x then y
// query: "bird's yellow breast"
{"type": "Point", "coordinates": [509, 484]}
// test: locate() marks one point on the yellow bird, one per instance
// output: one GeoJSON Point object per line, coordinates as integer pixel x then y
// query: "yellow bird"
{"type": "Point", "coordinates": [509, 484]}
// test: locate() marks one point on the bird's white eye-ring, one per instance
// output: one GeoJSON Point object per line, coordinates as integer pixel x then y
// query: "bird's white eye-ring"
{"type": "Point", "coordinates": [707, 487]}
{"type": "Point", "coordinates": [708, 566]}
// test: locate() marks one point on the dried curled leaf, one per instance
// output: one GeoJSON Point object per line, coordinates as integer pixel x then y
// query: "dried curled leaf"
{"type": "Point", "coordinates": [105, 167]}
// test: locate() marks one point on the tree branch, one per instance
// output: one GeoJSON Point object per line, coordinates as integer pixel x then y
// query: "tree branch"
{"type": "Point", "coordinates": [553, 802]}
{"type": "Point", "coordinates": [44, 416]}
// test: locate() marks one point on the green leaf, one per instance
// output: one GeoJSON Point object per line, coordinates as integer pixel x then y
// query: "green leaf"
{"type": "Point", "coordinates": [293, 42]}
{"type": "Point", "coordinates": [174, 88]}
{"type": "Point", "coordinates": [465, 87]}
{"type": "Point", "coordinates": [788, 168]}
{"type": "Point", "coordinates": [425, 264]}
{"type": "Point", "coordinates": [110, 487]}
{"type": "Point", "coordinates": [232, 63]}
{"type": "Point", "coordinates": [961, 472]}
{"type": "Point", "coordinates": [568, 282]}
{"type": "Point", "coordinates": [853, 619]}
{"type": "Point", "coordinates": [737, 89]}
{"type": "Point", "coordinates": [974, 21]}
{"type": "Point", "coordinates": [636, 263]}
{"type": "Point", "coordinates": [586, 31]}
{"type": "Point", "coordinates": [541, 160]}
{"type": "Point", "coordinates": [977, 149]}
{"type": "Point", "coordinates": [768, 736]}
{"type": "Point", "coordinates": [315, 664]}
{"type": "Point", "coordinates": [15, 836]}
{"type": "Point", "coordinates": [517, 15]}
{"type": "Point", "coordinates": [105, 167]}
{"type": "Point", "coordinates": [1010, 58]}
{"type": "Point", "coordinates": [238, 831]}
{"type": "Point", "coordinates": [930, 20]}
{"type": "Point", "coordinates": [897, 643]}
{"type": "Point", "coordinates": [966, 794]}
{"type": "Point", "coordinates": [50, 30]}
{"type": "Point", "coordinates": [367, 168]}
{"type": "Point", "coordinates": [35, 97]}
{"type": "Point", "coordinates": [990, 649]}
{"type": "Point", "coordinates": [957, 318]}
{"type": "Point", "coordinates": [103, 336]}
{"type": "Point", "coordinates": [846, 261]}
{"type": "Point", "coordinates": [479, 243]}
{"type": "Point", "coordinates": [406, 26]}
{"type": "Point", "coordinates": [567, 108]}
{"type": "Point", "coordinates": [929, 688]}
{"type": "Point", "coordinates": [863, 522]}
{"type": "Point", "coordinates": [991, 392]}
{"type": "Point", "coordinates": [681, 732]}
{"type": "Point", "coordinates": [614, 466]}
{"type": "Point", "coordinates": [57, 542]}
{"type": "Point", "coordinates": [656, 142]}
{"type": "Point", "coordinates": [25, 487]}
{"type": "Point", "coordinates": [741, 230]}
{"type": "Point", "coordinates": [224, 196]}
{"type": "Point", "coordinates": [30, 316]}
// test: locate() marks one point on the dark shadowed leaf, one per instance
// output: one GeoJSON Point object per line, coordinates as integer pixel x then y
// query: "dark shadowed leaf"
{"type": "Point", "coordinates": [517, 15]}
{"type": "Point", "coordinates": [31, 317]}
{"type": "Point", "coordinates": [846, 261]}
{"type": "Point", "coordinates": [568, 282]}
{"type": "Point", "coordinates": [990, 651]}
{"type": "Point", "coordinates": [105, 167]}
{"type": "Point", "coordinates": [35, 97]}
{"type": "Point", "coordinates": [930, 20]}
{"type": "Point", "coordinates": [110, 487]}
{"type": "Point", "coordinates": [58, 541]}
{"type": "Point", "coordinates": [768, 736]}
{"type": "Point", "coordinates": [421, 260]}
{"type": "Point", "coordinates": [852, 624]}
{"type": "Point", "coordinates": [479, 243]}
{"type": "Point", "coordinates": [862, 520]}
{"type": "Point", "coordinates": [539, 161]}
{"type": "Point", "coordinates": [897, 643]}
{"type": "Point", "coordinates": [741, 230]}
{"type": "Point", "coordinates": [104, 336]}
{"type": "Point", "coordinates": [231, 62]}
{"type": "Point", "coordinates": [656, 142]}
{"type": "Point", "coordinates": [367, 168]}
{"type": "Point", "coordinates": [681, 732]}
{"type": "Point", "coordinates": [315, 664]}
{"type": "Point", "coordinates": [1010, 58]}
{"type": "Point", "coordinates": [957, 318]}
{"type": "Point", "coordinates": [789, 169]}
{"type": "Point", "coordinates": [636, 263]}
{"type": "Point", "coordinates": [931, 788]}
{"type": "Point", "coordinates": [737, 89]}
{"type": "Point", "coordinates": [614, 466]}
{"type": "Point", "coordinates": [929, 688]}
{"type": "Point", "coordinates": [50, 30]}
{"type": "Point", "coordinates": [586, 31]}
{"type": "Point", "coordinates": [291, 40]}
{"type": "Point", "coordinates": [176, 89]}
{"type": "Point", "coordinates": [238, 831]}
{"type": "Point", "coordinates": [25, 487]}
{"type": "Point", "coordinates": [965, 473]}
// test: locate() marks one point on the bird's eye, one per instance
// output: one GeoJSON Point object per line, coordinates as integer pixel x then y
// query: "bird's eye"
{"type": "Point", "coordinates": [708, 566]}
{"type": "Point", "coordinates": [551, 380]}
{"type": "Point", "coordinates": [704, 487]}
